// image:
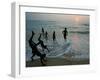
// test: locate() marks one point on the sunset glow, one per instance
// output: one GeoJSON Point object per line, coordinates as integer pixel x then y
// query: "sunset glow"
{"type": "Point", "coordinates": [77, 19]}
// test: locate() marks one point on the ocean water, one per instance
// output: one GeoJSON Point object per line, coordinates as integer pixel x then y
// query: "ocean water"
{"type": "Point", "coordinates": [78, 39]}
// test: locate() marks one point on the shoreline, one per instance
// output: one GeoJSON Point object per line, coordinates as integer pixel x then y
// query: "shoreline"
{"type": "Point", "coordinates": [56, 62]}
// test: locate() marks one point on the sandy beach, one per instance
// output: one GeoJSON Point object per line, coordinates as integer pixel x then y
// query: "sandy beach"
{"type": "Point", "coordinates": [56, 62]}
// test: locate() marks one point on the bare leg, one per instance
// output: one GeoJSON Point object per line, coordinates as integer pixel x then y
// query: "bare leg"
{"type": "Point", "coordinates": [31, 36]}
{"type": "Point", "coordinates": [32, 57]}
{"type": "Point", "coordinates": [43, 61]}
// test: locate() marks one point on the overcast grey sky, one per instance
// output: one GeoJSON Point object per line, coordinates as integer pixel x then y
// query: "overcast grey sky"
{"type": "Point", "coordinates": [64, 18]}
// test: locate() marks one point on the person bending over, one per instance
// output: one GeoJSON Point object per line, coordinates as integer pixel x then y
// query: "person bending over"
{"type": "Point", "coordinates": [35, 50]}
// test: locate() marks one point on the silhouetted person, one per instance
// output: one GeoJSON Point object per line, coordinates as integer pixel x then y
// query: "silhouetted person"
{"type": "Point", "coordinates": [54, 36]}
{"type": "Point", "coordinates": [42, 44]}
{"type": "Point", "coordinates": [43, 32]}
{"type": "Point", "coordinates": [46, 35]}
{"type": "Point", "coordinates": [65, 33]}
{"type": "Point", "coordinates": [35, 50]}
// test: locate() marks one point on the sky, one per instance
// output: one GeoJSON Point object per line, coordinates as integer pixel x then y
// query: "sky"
{"type": "Point", "coordinates": [63, 18]}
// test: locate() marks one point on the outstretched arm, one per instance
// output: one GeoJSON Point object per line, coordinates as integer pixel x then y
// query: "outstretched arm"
{"type": "Point", "coordinates": [39, 38]}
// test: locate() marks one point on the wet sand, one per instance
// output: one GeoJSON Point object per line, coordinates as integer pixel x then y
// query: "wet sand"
{"type": "Point", "coordinates": [56, 62]}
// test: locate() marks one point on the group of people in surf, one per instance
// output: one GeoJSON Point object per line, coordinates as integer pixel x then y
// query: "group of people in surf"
{"type": "Point", "coordinates": [45, 34]}
{"type": "Point", "coordinates": [34, 45]}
